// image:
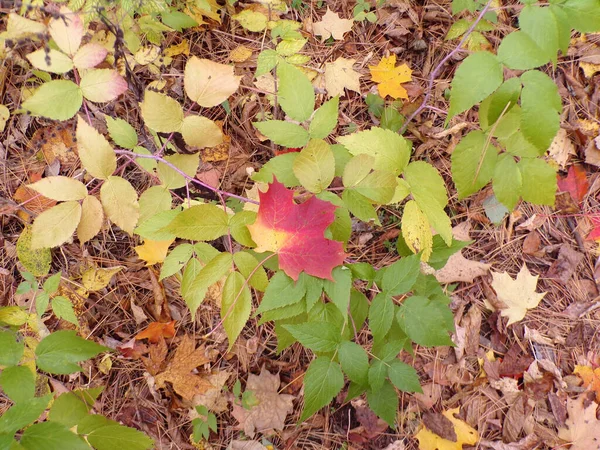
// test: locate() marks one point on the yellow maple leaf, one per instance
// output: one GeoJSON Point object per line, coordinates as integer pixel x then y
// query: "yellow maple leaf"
{"type": "Point", "coordinates": [153, 251]}
{"type": "Point", "coordinates": [465, 434]}
{"type": "Point", "coordinates": [389, 78]}
{"type": "Point", "coordinates": [590, 378]}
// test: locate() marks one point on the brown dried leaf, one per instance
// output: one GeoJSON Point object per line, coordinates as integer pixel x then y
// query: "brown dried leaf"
{"type": "Point", "coordinates": [581, 429]}
{"type": "Point", "coordinates": [272, 407]}
{"type": "Point", "coordinates": [213, 399]}
{"type": "Point", "coordinates": [459, 268]}
{"type": "Point", "coordinates": [179, 371]}
{"type": "Point", "coordinates": [565, 265]}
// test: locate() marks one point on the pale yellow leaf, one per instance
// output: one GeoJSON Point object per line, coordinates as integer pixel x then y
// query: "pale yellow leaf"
{"type": "Point", "coordinates": [67, 30]}
{"type": "Point", "coordinates": [153, 251]}
{"type": "Point", "coordinates": [209, 83]}
{"type": "Point", "coordinates": [154, 200]}
{"type": "Point", "coordinates": [18, 27]}
{"type": "Point", "coordinates": [581, 429]}
{"type": "Point", "coordinates": [458, 268]}
{"type": "Point", "coordinates": [332, 25]}
{"type": "Point", "coordinates": [161, 113]}
{"type": "Point", "coordinates": [95, 153]}
{"type": "Point", "coordinates": [92, 217]}
{"type": "Point", "coordinates": [340, 75]}
{"type": "Point", "coordinates": [519, 295]}
{"type": "Point", "coordinates": [240, 54]}
{"type": "Point", "coordinates": [96, 278]}
{"type": "Point", "coordinates": [4, 115]}
{"type": "Point", "coordinates": [465, 434]}
{"type": "Point", "coordinates": [561, 148]}
{"type": "Point", "coordinates": [120, 203]}
{"type": "Point", "coordinates": [172, 179]}
{"type": "Point", "coordinates": [60, 188]}
{"type": "Point", "coordinates": [50, 61]}
{"type": "Point", "coordinates": [254, 21]}
{"type": "Point", "coordinates": [201, 132]}
{"type": "Point", "coordinates": [56, 225]}
{"type": "Point", "coordinates": [416, 230]}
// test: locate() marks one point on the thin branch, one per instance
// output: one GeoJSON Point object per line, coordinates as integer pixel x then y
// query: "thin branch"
{"type": "Point", "coordinates": [438, 68]}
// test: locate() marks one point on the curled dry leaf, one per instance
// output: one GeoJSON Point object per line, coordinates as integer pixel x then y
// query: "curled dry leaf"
{"type": "Point", "coordinates": [272, 407]}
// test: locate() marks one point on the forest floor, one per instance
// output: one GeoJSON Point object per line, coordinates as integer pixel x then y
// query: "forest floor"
{"type": "Point", "coordinates": [510, 383]}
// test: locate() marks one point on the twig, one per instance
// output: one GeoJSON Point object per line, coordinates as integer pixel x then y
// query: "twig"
{"type": "Point", "coordinates": [185, 175]}
{"type": "Point", "coordinates": [438, 68]}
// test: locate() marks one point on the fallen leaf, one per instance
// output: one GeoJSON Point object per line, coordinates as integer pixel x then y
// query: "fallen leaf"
{"type": "Point", "coordinates": [156, 330]}
{"type": "Point", "coordinates": [236, 444]}
{"type": "Point", "coordinates": [582, 429]}
{"type": "Point", "coordinates": [96, 278]}
{"type": "Point", "coordinates": [575, 183]}
{"type": "Point", "coordinates": [561, 148]}
{"type": "Point", "coordinates": [296, 232]}
{"type": "Point", "coordinates": [532, 243]}
{"type": "Point", "coordinates": [389, 78]}
{"type": "Point", "coordinates": [459, 268]}
{"type": "Point", "coordinates": [589, 69]}
{"type": "Point", "coordinates": [157, 354]}
{"type": "Point", "coordinates": [179, 371]}
{"type": "Point", "coordinates": [340, 75]}
{"type": "Point", "coordinates": [332, 25]}
{"type": "Point", "coordinates": [565, 265]}
{"type": "Point", "coordinates": [590, 378]}
{"type": "Point", "coordinates": [213, 398]}
{"type": "Point", "coordinates": [153, 252]}
{"type": "Point", "coordinates": [56, 142]}
{"type": "Point", "coordinates": [594, 235]}
{"type": "Point", "coordinates": [518, 295]}
{"type": "Point", "coordinates": [464, 435]}
{"type": "Point", "coordinates": [32, 200]}
{"type": "Point", "coordinates": [209, 83]}
{"type": "Point", "coordinates": [240, 54]}
{"type": "Point", "coordinates": [272, 408]}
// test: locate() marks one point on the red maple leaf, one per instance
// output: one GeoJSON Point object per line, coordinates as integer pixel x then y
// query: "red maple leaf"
{"type": "Point", "coordinates": [594, 235]}
{"type": "Point", "coordinates": [575, 183]}
{"type": "Point", "coordinates": [295, 232]}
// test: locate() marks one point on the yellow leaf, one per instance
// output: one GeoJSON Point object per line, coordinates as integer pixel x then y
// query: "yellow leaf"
{"type": "Point", "coordinates": [183, 48]}
{"type": "Point", "coordinates": [340, 75]}
{"type": "Point", "coordinates": [240, 54]}
{"type": "Point", "coordinates": [389, 78]}
{"type": "Point", "coordinates": [590, 378]}
{"type": "Point", "coordinates": [95, 153]}
{"type": "Point", "coordinates": [96, 278]}
{"type": "Point", "coordinates": [201, 132]}
{"type": "Point", "coordinates": [92, 217]}
{"type": "Point", "coordinates": [161, 113]}
{"type": "Point", "coordinates": [518, 295]}
{"type": "Point", "coordinates": [416, 230]}
{"type": "Point", "coordinates": [55, 226]}
{"type": "Point", "coordinates": [153, 251]}
{"type": "Point", "coordinates": [332, 25]}
{"type": "Point", "coordinates": [209, 83]}
{"type": "Point", "coordinates": [251, 20]}
{"type": "Point", "coordinates": [120, 203]}
{"type": "Point", "coordinates": [465, 434]}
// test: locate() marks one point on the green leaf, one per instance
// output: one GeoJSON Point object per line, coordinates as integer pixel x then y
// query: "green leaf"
{"type": "Point", "coordinates": [441, 252]}
{"type": "Point", "coordinates": [56, 225]}
{"type": "Point", "coordinates": [171, 178]}
{"type": "Point", "coordinates": [178, 20]}
{"type": "Point", "coordinates": [322, 382]}
{"type": "Point", "coordinates": [401, 276]}
{"type": "Point", "coordinates": [381, 315]}
{"type": "Point", "coordinates": [51, 436]}
{"type": "Point", "coordinates": [281, 291]}
{"type": "Point", "coordinates": [63, 309]}
{"type": "Point", "coordinates": [377, 374]}
{"type": "Point", "coordinates": [56, 99]}
{"type": "Point", "coordinates": [96, 154]}
{"type": "Point", "coordinates": [478, 76]}
{"type": "Point", "coordinates": [390, 151]}
{"type": "Point", "coordinates": [60, 188]}
{"type": "Point", "coordinates": [473, 163]}
{"type": "Point", "coordinates": [59, 352]}
{"type": "Point", "coordinates": [519, 51]}
{"type": "Point", "coordinates": [18, 382]}
{"type": "Point", "coordinates": [384, 402]}
{"type": "Point", "coordinates": [247, 264]}
{"type": "Point", "coordinates": [500, 102]}
{"type": "Point", "coordinates": [285, 312]}
{"type": "Point", "coordinates": [584, 15]}
{"type": "Point", "coordinates": [266, 61]}
{"type": "Point", "coordinates": [404, 377]}
{"type": "Point", "coordinates": [238, 226]}
{"type": "Point", "coordinates": [317, 336]}
{"type": "Point", "coordinates": [539, 181]}
{"type": "Point", "coordinates": [68, 410]}
{"type": "Point", "coordinates": [120, 203]}
{"type": "Point", "coordinates": [507, 181]}
{"type": "Point", "coordinates": [175, 260]}
{"type": "Point", "coordinates": [391, 119]}
{"type": "Point", "coordinates": [360, 206]}
{"type": "Point", "coordinates": [22, 414]}
{"type": "Point", "coordinates": [338, 290]}
{"type": "Point", "coordinates": [378, 186]}
{"type": "Point", "coordinates": [357, 169]}
{"type": "Point", "coordinates": [118, 436]}
{"type": "Point", "coordinates": [354, 361]}
{"type": "Point", "coordinates": [540, 109]}
{"type": "Point", "coordinates": [122, 134]}
{"type": "Point", "coordinates": [325, 119]}
{"type": "Point", "coordinates": [283, 133]}
{"type": "Point", "coordinates": [200, 223]}
{"type": "Point", "coordinates": [281, 167]}
{"type": "Point", "coordinates": [193, 295]}
{"type": "Point", "coordinates": [214, 270]}
{"type": "Point", "coordinates": [235, 306]}
{"type": "Point", "coordinates": [315, 166]}
{"type": "Point", "coordinates": [51, 284]}
{"type": "Point", "coordinates": [427, 322]}
{"type": "Point", "coordinates": [295, 92]}
{"type": "Point", "coordinates": [161, 113]}
{"type": "Point", "coordinates": [540, 24]}
{"type": "Point", "coordinates": [154, 227]}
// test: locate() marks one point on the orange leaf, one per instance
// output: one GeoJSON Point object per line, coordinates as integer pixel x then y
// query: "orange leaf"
{"type": "Point", "coordinates": [389, 78]}
{"type": "Point", "coordinates": [590, 378]}
{"type": "Point", "coordinates": [575, 183]}
{"type": "Point", "coordinates": [157, 329]}
{"type": "Point", "coordinates": [296, 232]}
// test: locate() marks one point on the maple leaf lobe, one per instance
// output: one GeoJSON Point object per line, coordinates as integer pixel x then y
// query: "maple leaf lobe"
{"type": "Point", "coordinates": [296, 232]}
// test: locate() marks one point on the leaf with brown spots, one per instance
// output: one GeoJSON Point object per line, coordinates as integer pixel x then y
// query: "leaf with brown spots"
{"type": "Point", "coordinates": [179, 371]}
{"type": "Point", "coordinates": [581, 429]}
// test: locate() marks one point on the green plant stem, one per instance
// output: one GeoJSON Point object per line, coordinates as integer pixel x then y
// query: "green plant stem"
{"type": "Point", "coordinates": [185, 175]}
{"type": "Point", "coordinates": [436, 71]}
